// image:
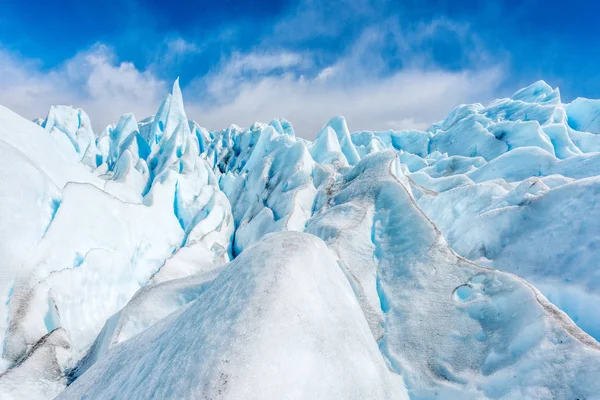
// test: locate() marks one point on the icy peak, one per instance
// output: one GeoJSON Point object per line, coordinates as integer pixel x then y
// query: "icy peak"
{"type": "Point", "coordinates": [537, 92]}
{"type": "Point", "coordinates": [170, 117]}
{"type": "Point", "coordinates": [71, 127]}
{"type": "Point", "coordinates": [176, 109]}
{"type": "Point", "coordinates": [282, 126]}
{"type": "Point", "coordinates": [326, 148]}
{"type": "Point", "coordinates": [340, 127]}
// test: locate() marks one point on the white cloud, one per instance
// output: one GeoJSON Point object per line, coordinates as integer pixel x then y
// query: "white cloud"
{"type": "Point", "coordinates": [171, 52]}
{"type": "Point", "coordinates": [180, 46]}
{"type": "Point", "coordinates": [407, 99]}
{"type": "Point", "coordinates": [255, 86]}
{"type": "Point", "coordinates": [388, 76]}
{"type": "Point", "coordinates": [225, 79]}
{"type": "Point", "coordinates": [92, 80]}
{"type": "Point", "coordinates": [261, 62]}
{"type": "Point", "coordinates": [360, 84]}
{"type": "Point", "coordinates": [325, 74]}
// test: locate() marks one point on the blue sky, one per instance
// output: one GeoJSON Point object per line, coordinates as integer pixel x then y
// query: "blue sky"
{"type": "Point", "coordinates": [382, 64]}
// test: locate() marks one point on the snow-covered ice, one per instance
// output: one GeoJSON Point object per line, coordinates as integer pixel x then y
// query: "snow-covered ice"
{"type": "Point", "coordinates": [158, 259]}
{"type": "Point", "coordinates": [281, 321]}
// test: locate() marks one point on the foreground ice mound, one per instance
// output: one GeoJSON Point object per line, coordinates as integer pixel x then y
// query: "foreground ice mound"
{"type": "Point", "coordinates": [160, 259]}
{"type": "Point", "coordinates": [452, 328]}
{"type": "Point", "coordinates": [279, 321]}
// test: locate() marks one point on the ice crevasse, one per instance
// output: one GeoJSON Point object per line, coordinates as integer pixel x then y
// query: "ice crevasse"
{"type": "Point", "coordinates": [159, 259]}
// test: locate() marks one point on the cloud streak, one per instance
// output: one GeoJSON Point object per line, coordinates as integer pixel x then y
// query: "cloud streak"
{"type": "Point", "coordinates": [387, 78]}
{"type": "Point", "coordinates": [407, 99]}
{"type": "Point", "coordinates": [92, 80]}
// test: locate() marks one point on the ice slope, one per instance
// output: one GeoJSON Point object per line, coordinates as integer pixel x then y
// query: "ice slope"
{"type": "Point", "coordinates": [150, 304]}
{"type": "Point", "coordinates": [281, 321]}
{"type": "Point", "coordinates": [487, 332]}
{"type": "Point", "coordinates": [87, 259]}
{"type": "Point", "coordinates": [72, 130]}
{"type": "Point", "coordinates": [33, 174]}
{"type": "Point", "coordinates": [122, 263]}
{"type": "Point", "coordinates": [481, 176]}
{"type": "Point", "coordinates": [584, 115]}
{"type": "Point", "coordinates": [547, 235]}
{"type": "Point", "coordinates": [39, 375]}
{"type": "Point", "coordinates": [78, 241]}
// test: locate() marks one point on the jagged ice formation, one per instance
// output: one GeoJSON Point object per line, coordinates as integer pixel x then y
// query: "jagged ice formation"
{"type": "Point", "coordinates": [159, 259]}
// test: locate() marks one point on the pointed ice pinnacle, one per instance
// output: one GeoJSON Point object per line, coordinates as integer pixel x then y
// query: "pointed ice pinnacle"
{"type": "Point", "coordinates": [538, 92]}
{"type": "Point", "coordinates": [339, 126]}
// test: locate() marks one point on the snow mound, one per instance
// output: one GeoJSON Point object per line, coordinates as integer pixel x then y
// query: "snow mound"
{"type": "Point", "coordinates": [264, 328]}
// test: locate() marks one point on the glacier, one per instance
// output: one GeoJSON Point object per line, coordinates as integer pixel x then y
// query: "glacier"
{"type": "Point", "coordinates": [159, 259]}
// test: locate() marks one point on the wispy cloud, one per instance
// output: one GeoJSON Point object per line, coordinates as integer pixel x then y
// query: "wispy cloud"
{"type": "Point", "coordinates": [180, 46]}
{"type": "Point", "coordinates": [407, 99]}
{"type": "Point", "coordinates": [224, 81]}
{"type": "Point", "coordinates": [93, 80]}
{"type": "Point", "coordinates": [388, 76]}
